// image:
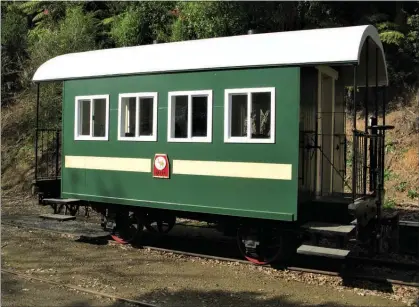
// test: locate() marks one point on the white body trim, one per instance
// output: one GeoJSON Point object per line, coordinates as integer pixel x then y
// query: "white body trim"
{"type": "Point", "coordinates": [171, 122]}
{"type": "Point", "coordinates": [333, 75]}
{"type": "Point", "coordinates": [332, 147]}
{"type": "Point", "coordinates": [227, 115]}
{"type": "Point", "coordinates": [327, 70]}
{"type": "Point", "coordinates": [138, 96]}
{"type": "Point", "coordinates": [78, 137]}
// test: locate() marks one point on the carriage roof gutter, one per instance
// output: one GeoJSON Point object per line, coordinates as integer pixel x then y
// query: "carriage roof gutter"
{"type": "Point", "coordinates": [330, 46]}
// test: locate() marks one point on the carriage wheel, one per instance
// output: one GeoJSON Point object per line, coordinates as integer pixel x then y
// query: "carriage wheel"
{"type": "Point", "coordinates": [73, 209]}
{"type": "Point", "coordinates": [260, 245]}
{"type": "Point", "coordinates": [127, 228]}
{"type": "Point", "coordinates": [159, 223]}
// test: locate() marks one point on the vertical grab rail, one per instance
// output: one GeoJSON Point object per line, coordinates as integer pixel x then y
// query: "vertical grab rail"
{"type": "Point", "coordinates": [57, 152]}
{"type": "Point", "coordinates": [373, 155]}
{"type": "Point", "coordinates": [36, 131]}
{"type": "Point", "coordinates": [354, 161]}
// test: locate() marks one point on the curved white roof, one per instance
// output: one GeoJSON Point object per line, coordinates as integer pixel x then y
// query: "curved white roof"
{"type": "Point", "coordinates": [306, 47]}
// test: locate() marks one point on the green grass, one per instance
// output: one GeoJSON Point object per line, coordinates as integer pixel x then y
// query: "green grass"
{"type": "Point", "coordinates": [389, 175]}
{"type": "Point", "coordinates": [390, 147]}
{"type": "Point", "coordinates": [389, 203]}
{"type": "Point", "coordinates": [412, 194]}
{"type": "Point", "coordinates": [401, 187]}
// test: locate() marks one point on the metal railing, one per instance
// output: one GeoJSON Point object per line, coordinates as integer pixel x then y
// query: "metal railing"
{"type": "Point", "coordinates": [47, 154]}
{"type": "Point", "coordinates": [359, 164]}
{"type": "Point", "coordinates": [368, 165]}
{"type": "Point", "coordinates": [356, 159]}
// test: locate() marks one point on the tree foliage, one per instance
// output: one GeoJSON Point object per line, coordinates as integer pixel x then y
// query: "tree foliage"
{"type": "Point", "coordinates": [74, 33]}
{"type": "Point", "coordinates": [14, 30]}
{"type": "Point", "coordinates": [35, 31]}
{"type": "Point", "coordinates": [140, 23]}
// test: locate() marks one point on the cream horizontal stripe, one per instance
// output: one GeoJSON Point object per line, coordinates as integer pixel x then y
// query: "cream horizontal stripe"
{"type": "Point", "coordinates": [233, 169]}
{"type": "Point", "coordinates": [109, 163]}
{"type": "Point", "coordinates": [186, 167]}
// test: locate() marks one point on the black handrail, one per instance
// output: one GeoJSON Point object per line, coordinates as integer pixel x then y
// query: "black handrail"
{"type": "Point", "coordinates": [47, 153]}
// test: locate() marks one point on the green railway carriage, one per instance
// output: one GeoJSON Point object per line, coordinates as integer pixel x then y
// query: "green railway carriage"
{"type": "Point", "coordinates": [245, 131]}
{"type": "Point", "coordinates": [208, 174]}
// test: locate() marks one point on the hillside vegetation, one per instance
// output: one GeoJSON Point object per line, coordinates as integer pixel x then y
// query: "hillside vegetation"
{"type": "Point", "coordinates": [33, 32]}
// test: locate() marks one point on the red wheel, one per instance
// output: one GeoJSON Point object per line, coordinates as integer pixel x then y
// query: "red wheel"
{"type": "Point", "coordinates": [128, 228]}
{"type": "Point", "coordinates": [259, 246]}
{"type": "Point", "coordinates": [118, 239]}
{"type": "Point", "coordinates": [255, 261]}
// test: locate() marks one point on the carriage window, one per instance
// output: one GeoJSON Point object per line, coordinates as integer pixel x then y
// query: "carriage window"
{"type": "Point", "coordinates": [190, 116]}
{"type": "Point", "coordinates": [99, 117]}
{"type": "Point", "coordinates": [199, 116]}
{"type": "Point", "coordinates": [254, 106]}
{"type": "Point", "coordinates": [238, 115]}
{"type": "Point", "coordinates": [138, 117]}
{"type": "Point", "coordinates": [180, 104]}
{"type": "Point", "coordinates": [91, 122]}
{"type": "Point", "coordinates": [260, 116]}
{"type": "Point", "coordinates": [85, 117]}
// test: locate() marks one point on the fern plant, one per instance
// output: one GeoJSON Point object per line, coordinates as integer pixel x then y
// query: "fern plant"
{"type": "Point", "coordinates": [390, 33]}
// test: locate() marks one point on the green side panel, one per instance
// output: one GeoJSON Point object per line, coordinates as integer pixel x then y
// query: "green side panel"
{"type": "Point", "coordinates": [259, 198]}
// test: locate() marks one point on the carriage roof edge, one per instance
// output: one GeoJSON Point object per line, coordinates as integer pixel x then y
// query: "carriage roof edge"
{"type": "Point", "coordinates": [341, 46]}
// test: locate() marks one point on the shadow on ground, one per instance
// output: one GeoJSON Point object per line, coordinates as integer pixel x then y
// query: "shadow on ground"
{"type": "Point", "coordinates": [190, 298]}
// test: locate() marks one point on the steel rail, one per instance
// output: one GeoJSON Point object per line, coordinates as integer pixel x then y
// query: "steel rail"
{"type": "Point", "coordinates": [81, 289]}
{"type": "Point", "coordinates": [291, 268]}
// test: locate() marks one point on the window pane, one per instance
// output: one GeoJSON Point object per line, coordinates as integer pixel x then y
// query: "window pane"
{"type": "Point", "coordinates": [181, 116]}
{"type": "Point", "coordinates": [146, 116]}
{"type": "Point", "coordinates": [84, 117]}
{"type": "Point", "coordinates": [239, 115]}
{"type": "Point", "coordinates": [99, 117]}
{"type": "Point", "coordinates": [199, 116]}
{"type": "Point", "coordinates": [129, 109]}
{"type": "Point", "coordinates": [261, 115]}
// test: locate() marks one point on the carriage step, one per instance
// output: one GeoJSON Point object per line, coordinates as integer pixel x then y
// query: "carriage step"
{"type": "Point", "coordinates": [323, 251]}
{"type": "Point", "coordinates": [60, 201]}
{"type": "Point", "coordinates": [361, 204]}
{"type": "Point", "coordinates": [327, 228]}
{"type": "Point", "coordinates": [387, 218]}
{"type": "Point", "coordinates": [58, 217]}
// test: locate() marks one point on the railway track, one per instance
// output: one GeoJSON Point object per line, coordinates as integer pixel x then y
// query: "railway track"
{"type": "Point", "coordinates": [344, 274]}
{"type": "Point", "coordinates": [77, 288]}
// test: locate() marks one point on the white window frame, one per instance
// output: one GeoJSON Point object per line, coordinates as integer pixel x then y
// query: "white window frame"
{"type": "Point", "coordinates": [90, 137]}
{"type": "Point", "coordinates": [170, 121]}
{"type": "Point", "coordinates": [227, 115]}
{"type": "Point", "coordinates": [137, 137]}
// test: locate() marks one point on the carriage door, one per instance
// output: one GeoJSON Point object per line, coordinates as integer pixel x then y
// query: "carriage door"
{"type": "Point", "coordinates": [325, 128]}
